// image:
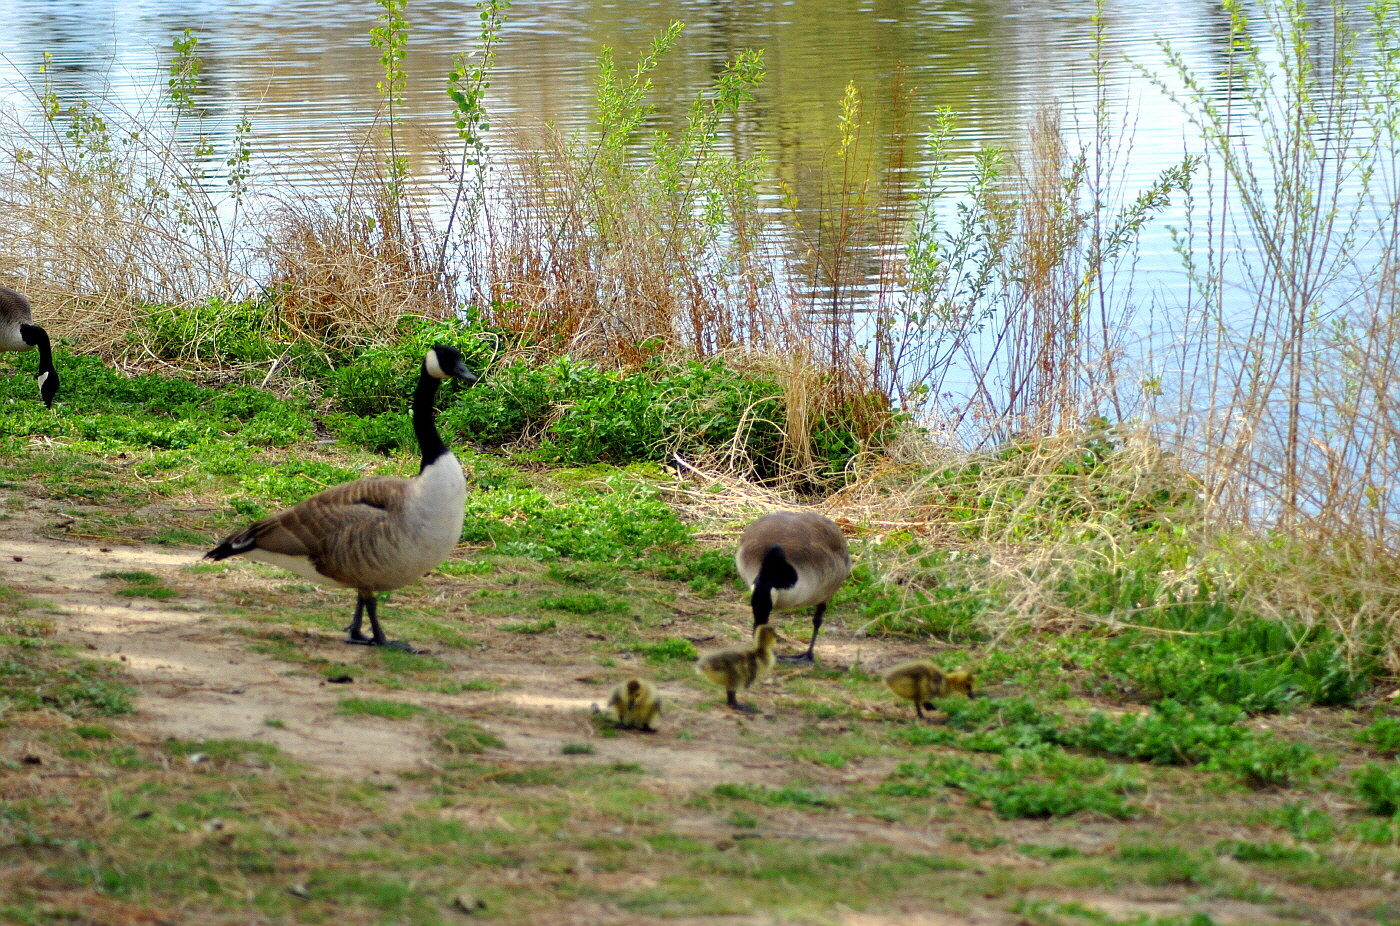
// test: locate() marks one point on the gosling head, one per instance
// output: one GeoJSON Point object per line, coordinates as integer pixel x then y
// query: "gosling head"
{"type": "Point", "coordinates": [960, 683]}
{"type": "Point", "coordinates": [443, 361]}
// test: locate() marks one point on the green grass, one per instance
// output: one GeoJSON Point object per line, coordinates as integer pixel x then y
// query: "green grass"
{"type": "Point", "coordinates": [140, 585]}
{"type": "Point", "coordinates": [373, 707]}
{"type": "Point", "coordinates": [545, 625]}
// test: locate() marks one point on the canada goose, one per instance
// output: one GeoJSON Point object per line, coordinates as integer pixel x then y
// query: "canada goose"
{"type": "Point", "coordinates": [740, 668]}
{"type": "Point", "coordinates": [18, 332]}
{"type": "Point", "coordinates": [377, 533]}
{"type": "Point", "coordinates": [792, 559]}
{"type": "Point", "coordinates": [635, 703]}
{"type": "Point", "coordinates": [921, 683]}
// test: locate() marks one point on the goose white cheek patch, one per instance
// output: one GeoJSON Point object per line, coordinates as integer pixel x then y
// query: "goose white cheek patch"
{"type": "Point", "coordinates": [43, 378]}
{"type": "Point", "coordinates": [434, 368]}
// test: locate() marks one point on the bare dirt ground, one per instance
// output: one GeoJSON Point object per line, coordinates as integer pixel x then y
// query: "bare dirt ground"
{"type": "Point", "coordinates": [196, 678]}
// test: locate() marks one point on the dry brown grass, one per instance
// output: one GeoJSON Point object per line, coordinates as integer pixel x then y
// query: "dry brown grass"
{"type": "Point", "coordinates": [349, 268]}
{"type": "Point", "coordinates": [591, 266]}
{"type": "Point", "coordinates": [100, 221]}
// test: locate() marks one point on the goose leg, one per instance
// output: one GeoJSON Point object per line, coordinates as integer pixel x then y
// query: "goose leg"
{"type": "Point", "coordinates": [810, 656]}
{"type": "Point", "coordinates": [354, 635]}
{"type": "Point", "coordinates": [372, 606]}
{"type": "Point", "coordinates": [369, 604]}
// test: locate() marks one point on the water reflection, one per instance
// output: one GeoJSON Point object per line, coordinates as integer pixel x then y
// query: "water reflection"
{"type": "Point", "coordinates": [305, 74]}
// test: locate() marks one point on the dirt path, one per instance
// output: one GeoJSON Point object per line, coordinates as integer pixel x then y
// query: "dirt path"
{"type": "Point", "coordinates": [196, 679]}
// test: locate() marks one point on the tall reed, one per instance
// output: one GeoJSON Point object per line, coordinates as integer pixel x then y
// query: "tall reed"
{"type": "Point", "coordinates": [1289, 342]}
{"type": "Point", "coordinates": [104, 211]}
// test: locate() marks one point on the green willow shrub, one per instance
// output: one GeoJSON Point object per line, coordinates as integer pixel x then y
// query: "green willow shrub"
{"type": "Point", "coordinates": [579, 412]}
{"type": "Point", "coordinates": [693, 408]}
{"type": "Point", "coordinates": [582, 413]}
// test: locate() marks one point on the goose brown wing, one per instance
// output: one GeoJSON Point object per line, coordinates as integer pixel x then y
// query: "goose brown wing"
{"type": "Point", "coordinates": [327, 520]}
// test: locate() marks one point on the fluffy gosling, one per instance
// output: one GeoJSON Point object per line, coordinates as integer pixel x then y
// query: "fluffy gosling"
{"type": "Point", "coordinates": [740, 668]}
{"type": "Point", "coordinates": [635, 703]}
{"type": "Point", "coordinates": [921, 683]}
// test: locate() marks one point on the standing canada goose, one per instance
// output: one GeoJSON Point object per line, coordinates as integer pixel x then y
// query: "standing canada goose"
{"type": "Point", "coordinates": [740, 668]}
{"type": "Point", "coordinates": [792, 559]}
{"type": "Point", "coordinates": [635, 703]}
{"type": "Point", "coordinates": [377, 533]}
{"type": "Point", "coordinates": [18, 332]}
{"type": "Point", "coordinates": [921, 683]}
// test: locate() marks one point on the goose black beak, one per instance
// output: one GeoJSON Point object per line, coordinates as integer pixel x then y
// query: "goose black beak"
{"type": "Point", "coordinates": [467, 376]}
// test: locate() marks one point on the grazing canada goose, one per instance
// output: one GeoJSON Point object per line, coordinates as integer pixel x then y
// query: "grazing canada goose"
{"type": "Point", "coordinates": [635, 703]}
{"type": "Point", "coordinates": [792, 559]}
{"type": "Point", "coordinates": [921, 683]}
{"type": "Point", "coordinates": [18, 332]}
{"type": "Point", "coordinates": [377, 533]}
{"type": "Point", "coordinates": [740, 668]}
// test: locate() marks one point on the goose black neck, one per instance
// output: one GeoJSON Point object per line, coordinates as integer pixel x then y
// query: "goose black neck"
{"type": "Point", "coordinates": [424, 427]}
{"type": "Point", "coordinates": [35, 336]}
{"type": "Point", "coordinates": [774, 572]}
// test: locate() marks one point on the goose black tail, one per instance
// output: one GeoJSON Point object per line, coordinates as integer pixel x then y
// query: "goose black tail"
{"type": "Point", "coordinates": [239, 543]}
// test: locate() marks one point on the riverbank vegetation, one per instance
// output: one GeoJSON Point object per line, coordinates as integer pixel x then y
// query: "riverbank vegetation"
{"type": "Point", "coordinates": [1165, 563]}
{"type": "Point", "coordinates": [621, 294]}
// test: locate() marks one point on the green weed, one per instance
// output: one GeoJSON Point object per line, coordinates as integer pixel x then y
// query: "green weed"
{"type": "Point", "coordinates": [671, 649]}
{"type": "Point", "coordinates": [620, 519]}
{"type": "Point", "coordinates": [1310, 824]}
{"type": "Point", "coordinates": [1267, 852]}
{"type": "Point", "coordinates": [140, 585]}
{"type": "Point", "coordinates": [463, 738]}
{"type": "Point", "coordinates": [584, 603]}
{"type": "Point", "coordinates": [370, 707]}
{"type": "Point", "coordinates": [544, 625]}
{"type": "Point", "coordinates": [466, 567]}
{"type": "Point", "coordinates": [1207, 735]}
{"type": "Point", "coordinates": [1383, 736]}
{"type": "Point", "coordinates": [36, 677]}
{"type": "Point", "coordinates": [223, 752]}
{"type": "Point", "coordinates": [1024, 784]}
{"type": "Point", "coordinates": [1379, 788]}
{"type": "Point", "coordinates": [774, 797]}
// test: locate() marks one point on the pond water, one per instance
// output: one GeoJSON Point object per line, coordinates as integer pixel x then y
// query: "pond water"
{"type": "Point", "coordinates": [305, 74]}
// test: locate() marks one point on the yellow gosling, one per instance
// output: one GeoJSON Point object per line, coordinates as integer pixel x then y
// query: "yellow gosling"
{"type": "Point", "coordinates": [922, 683]}
{"type": "Point", "coordinates": [635, 703]}
{"type": "Point", "coordinates": [740, 668]}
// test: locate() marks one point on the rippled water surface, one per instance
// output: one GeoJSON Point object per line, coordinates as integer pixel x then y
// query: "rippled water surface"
{"type": "Point", "coordinates": [305, 73]}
